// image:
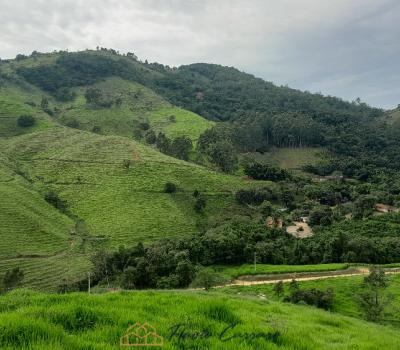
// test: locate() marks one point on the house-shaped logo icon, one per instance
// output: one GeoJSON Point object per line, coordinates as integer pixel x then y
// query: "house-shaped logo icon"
{"type": "Point", "coordinates": [141, 335]}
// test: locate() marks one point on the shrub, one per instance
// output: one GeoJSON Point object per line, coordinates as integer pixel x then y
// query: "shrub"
{"type": "Point", "coordinates": [321, 216]}
{"type": "Point", "coordinates": [26, 121]}
{"type": "Point", "coordinates": [64, 95]}
{"type": "Point", "coordinates": [53, 198]}
{"type": "Point", "coordinates": [200, 204]}
{"type": "Point", "coordinates": [144, 126]}
{"type": "Point", "coordinates": [150, 137]}
{"type": "Point", "coordinates": [253, 196]}
{"type": "Point", "coordinates": [314, 297]}
{"type": "Point", "coordinates": [266, 172]}
{"type": "Point", "coordinates": [73, 124]}
{"type": "Point", "coordinates": [207, 279]}
{"type": "Point", "coordinates": [96, 129]}
{"type": "Point", "coordinates": [126, 163]}
{"type": "Point", "coordinates": [170, 187]}
{"type": "Point", "coordinates": [11, 279]}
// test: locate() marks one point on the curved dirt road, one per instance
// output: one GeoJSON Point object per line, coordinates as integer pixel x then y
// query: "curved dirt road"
{"type": "Point", "coordinates": [250, 280]}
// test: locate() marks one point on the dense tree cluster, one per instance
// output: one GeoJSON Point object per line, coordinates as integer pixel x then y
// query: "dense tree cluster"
{"type": "Point", "coordinates": [172, 263]}
{"type": "Point", "coordinates": [257, 114]}
{"type": "Point", "coordinates": [260, 171]}
{"type": "Point", "coordinates": [178, 147]}
{"type": "Point", "coordinates": [26, 121]}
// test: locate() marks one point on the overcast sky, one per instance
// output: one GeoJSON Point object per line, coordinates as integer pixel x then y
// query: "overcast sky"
{"type": "Point", "coordinates": [347, 48]}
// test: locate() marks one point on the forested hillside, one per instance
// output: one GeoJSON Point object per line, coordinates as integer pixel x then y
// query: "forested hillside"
{"type": "Point", "coordinates": [189, 166]}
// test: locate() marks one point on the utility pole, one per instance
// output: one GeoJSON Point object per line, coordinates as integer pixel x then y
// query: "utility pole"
{"type": "Point", "coordinates": [89, 282]}
{"type": "Point", "coordinates": [255, 261]}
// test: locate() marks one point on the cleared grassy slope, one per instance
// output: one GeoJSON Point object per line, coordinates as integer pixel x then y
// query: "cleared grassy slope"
{"type": "Point", "coordinates": [345, 291]}
{"type": "Point", "coordinates": [288, 158]}
{"type": "Point", "coordinates": [80, 321]}
{"type": "Point", "coordinates": [139, 105]}
{"type": "Point", "coordinates": [248, 269]}
{"type": "Point", "coordinates": [119, 206]}
{"type": "Point", "coordinates": [34, 235]}
{"type": "Point", "coordinates": [14, 102]}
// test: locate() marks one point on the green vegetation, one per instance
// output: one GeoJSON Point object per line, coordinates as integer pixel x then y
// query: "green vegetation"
{"type": "Point", "coordinates": [36, 321]}
{"type": "Point", "coordinates": [69, 174]}
{"type": "Point", "coordinates": [287, 158]}
{"type": "Point", "coordinates": [248, 269]}
{"type": "Point", "coordinates": [137, 106]}
{"type": "Point", "coordinates": [347, 291]}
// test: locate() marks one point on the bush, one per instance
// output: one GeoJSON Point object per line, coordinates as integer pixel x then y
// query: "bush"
{"type": "Point", "coordinates": [200, 204]}
{"type": "Point", "coordinates": [320, 216]}
{"type": "Point", "coordinates": [53, 198]}
{"type": "Point", "coordinates": [73, 124]}
{"type": "Point", "coordinates": [64, 95]}
{"type": "Point", "coordinates": [207, 279]}
{"type": "Point", "coordinates": [259, 171]}
{"type": "Point", "coordinates": [26, 121]}
{"type": "Point", "coordinates": [314, 297]}
{"type": "Point", "coordinates": [253, 196]}
{"type": "Point", "coordinates": [11, 280]}
{"type": "Point", "coordinates": [170, 187]}
{"type": "Point", "coordinates": [150, 137]}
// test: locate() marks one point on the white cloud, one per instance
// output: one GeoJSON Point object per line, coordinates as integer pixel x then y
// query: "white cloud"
{"type": "Point", "coordinates": [333, 46]}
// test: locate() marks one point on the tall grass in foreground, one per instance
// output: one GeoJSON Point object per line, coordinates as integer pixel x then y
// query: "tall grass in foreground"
{"type": "Point", "coordinates": [30, 320]}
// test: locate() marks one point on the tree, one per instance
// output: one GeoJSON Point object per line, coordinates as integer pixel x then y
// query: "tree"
{"type": "Point", "coordinates": [279, 289]}
{"type": "Point", "coordinates": [126, 163]}
{"type": "Point", "coordinates": [200, 204]}
{"type": "Point", "coordinates": [223, 154]}
{"type": "Point", "coordinates": [64, 94]}
{"type": "Point", "coordinates": [294, 286]}
{"type": "Point", "coordinates": [372, 300]}
{"type": "Point", "coordinates": [53, 198]}
{"type": "Point", "coordinates": [44, 104]}
{"type": "Point", "coordinates": [170, 187]}
{"type": "Point", "coordinates": [12, 279]}
{"type": "Point", "coordinates": [163, 143]}
{"type": "Point", "coordinates": [26, 121]}
{"type": "Point", "coordinates": [128, 278]}
{"type": "Point", "coordinates": [180, 147]}
{"type": "Point", "coordinates": [320, 216]}
{"type": "Point", "coordinates": [207, 279]}
{"type": "Point", "coordinates": [93, 95]}
{"type": "Point", "coordinates": [150, 137]}
{"type": "Point", "coordinates": [185, 272]}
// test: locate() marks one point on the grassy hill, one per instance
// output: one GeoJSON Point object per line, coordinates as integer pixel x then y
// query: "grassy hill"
{"type": "Point", "coordinates": [394, 116]}
{"type": "Point", "coordinates": [16, 101]}
{"type": "Point", "coordinates": [287, 158]}
{"type": "Point", "coordinates": [80, 321]}
{"type": "Point", "coordinates": [118, 206]}
{"type": "Point", "coordinates": [139, 105]}
{"type": "Point", "coordinates": [345, 291]}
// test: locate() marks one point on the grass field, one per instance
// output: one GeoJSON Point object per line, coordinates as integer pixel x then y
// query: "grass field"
{"type": "Point", "coordinates": [14, 103]}
{"type": "Point", "coordinates": [30, 320]}
{"type": "Point", "coordinates": [119, 206]}
{"type": "Point", "coordinates": [345, 290]}
{"type": "Point", "coordinates": [139, 105]}
{"type": "Point", "coordinates": [248, 269]}
{"type": "Point", "coordinates": [288, 158]}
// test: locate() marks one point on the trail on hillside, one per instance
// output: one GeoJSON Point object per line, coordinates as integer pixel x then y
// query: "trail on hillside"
{"type": "Point", "coordinates": [248, 280]}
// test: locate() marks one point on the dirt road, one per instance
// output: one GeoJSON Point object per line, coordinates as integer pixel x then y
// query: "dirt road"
{"type": "Point", "coordinates": [250, 280]}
